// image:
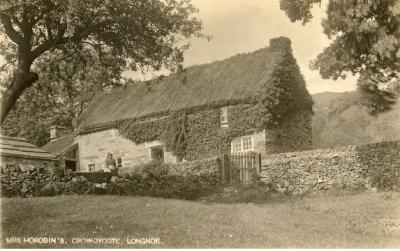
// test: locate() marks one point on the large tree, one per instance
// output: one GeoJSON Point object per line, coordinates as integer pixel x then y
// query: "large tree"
{"type": "Point", "coordinates": [365, 39]}
{"type": "Point", "coordinates": [141, 33]}
{"type": "Point", "coordinates": [66, 86]}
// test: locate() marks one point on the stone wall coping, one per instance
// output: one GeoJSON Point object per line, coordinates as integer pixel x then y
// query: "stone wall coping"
{"type": "Point", "coordinates": [350, 150]}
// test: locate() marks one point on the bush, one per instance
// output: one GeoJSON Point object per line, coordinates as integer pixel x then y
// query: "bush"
{"type": "Point", "coordinates": [53, 188]}
{"type": "Point", "coordinates": [155, 181]}
{"type": "Point", "coordinates": [79, 185]}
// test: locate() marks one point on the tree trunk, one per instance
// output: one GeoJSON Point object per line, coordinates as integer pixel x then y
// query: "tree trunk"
{"type": "Point", "coordinates": [21, 81]}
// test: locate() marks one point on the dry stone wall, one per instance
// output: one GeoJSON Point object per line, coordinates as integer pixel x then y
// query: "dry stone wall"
{"type": "Point", "coordinates": [210, 166]}
{"type": "Point", "coordinates": [26, 163]}
{"type": "Point", "coordinates": [368, 167]}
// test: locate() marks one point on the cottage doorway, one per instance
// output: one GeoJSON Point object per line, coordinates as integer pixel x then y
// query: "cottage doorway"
{"type": "Point", "coordinates": [70, 165]}
{"type": "Point", "coordinates": [157, 154]}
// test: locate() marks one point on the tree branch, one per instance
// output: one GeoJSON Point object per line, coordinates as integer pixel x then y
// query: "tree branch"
{"type": "Point", "coordinates": [9, 29]}
{"type": "Point", "coordinates": [48, 44]}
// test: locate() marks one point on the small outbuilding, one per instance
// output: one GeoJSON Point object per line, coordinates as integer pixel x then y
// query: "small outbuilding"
{"type": "Point", "coordinates": [62, 145]}
{"type": "Point", "coordinates": [18, 153]}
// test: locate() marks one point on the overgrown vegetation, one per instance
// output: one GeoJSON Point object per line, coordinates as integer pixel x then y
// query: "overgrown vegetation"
{"type": "Point", "coordinates": [283, 93]}
{"type": "Point", "coordinates": [153, 180]}
{"type": "Point", "coordinates": [174, 135]}
{"type": "Point", "coordinates": [140, 132]}
{"type": "Point", "coordinates": [365, 40]}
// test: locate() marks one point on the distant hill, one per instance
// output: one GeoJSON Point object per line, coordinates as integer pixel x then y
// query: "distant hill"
{"type": "Point", "coordinates": [338, 120]}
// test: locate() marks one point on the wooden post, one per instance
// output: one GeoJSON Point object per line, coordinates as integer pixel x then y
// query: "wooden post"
{"type": "Point", "coordinates": [225, 174]}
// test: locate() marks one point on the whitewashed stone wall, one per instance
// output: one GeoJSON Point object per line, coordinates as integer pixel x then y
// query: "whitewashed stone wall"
{"type": "Point", "coordinates": [93, 149]}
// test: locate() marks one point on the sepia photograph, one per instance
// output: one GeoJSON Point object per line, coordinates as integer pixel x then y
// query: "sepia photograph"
{"type": "Point", "coordinates": [153, 124]}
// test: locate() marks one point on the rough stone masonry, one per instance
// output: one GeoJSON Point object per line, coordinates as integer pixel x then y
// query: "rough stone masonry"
{"type": "Point", "coordinates": [367, 167]}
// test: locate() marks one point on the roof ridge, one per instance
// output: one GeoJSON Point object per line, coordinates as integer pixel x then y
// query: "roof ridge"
{"type": "Point", "coordinates": [14, 138]}
{"type": "Point", "coordinates": [237, 77]}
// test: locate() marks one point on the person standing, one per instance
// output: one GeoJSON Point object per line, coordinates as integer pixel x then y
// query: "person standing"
{"type": "Point", "coordinates": [110, 164]}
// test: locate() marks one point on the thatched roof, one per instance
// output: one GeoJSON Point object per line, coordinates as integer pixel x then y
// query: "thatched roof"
{"type": "Point", "coordinates": [21, 148]}
{"type": "Point", "coordinates": [236, 78]}
{"type": "Point", "coordinates": [60, 145]}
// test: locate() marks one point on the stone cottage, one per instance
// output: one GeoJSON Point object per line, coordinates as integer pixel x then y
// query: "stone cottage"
{"type": "Point", "coordinates": [250, 102]}
{"type": "Point", "coordinates": [62, 145]}
{"type": "Point", "coordinates": [18, 153]}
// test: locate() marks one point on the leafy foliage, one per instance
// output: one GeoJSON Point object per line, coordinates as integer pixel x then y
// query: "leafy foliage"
{"type": "Point", "coordinates": [165, 186]}
{"type": "Point", "coordinates": [298, 9]}
{"type": "Point", "coordinates": [365, 40]}
{"type": "Point", "coordinates": [376, 99]}
{"type": "Point", "coordinates": [284, 93]}
{"type": "Point", "coordinates": [156, 180]}
{"type": "Point", "coordinates": [140, 132]}
{"type": "Point", "coordinates": [205, 137]}
{"type": "Point", "coordinates": [65, 88]}
{"type": "Point", "coordinates": [174, 134]}
{"type": "Point", "coordinates": [140, 33]}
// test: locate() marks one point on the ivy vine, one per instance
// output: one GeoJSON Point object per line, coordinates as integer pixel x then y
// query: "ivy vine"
{"type": "Point", "coordinates": [174, 134]}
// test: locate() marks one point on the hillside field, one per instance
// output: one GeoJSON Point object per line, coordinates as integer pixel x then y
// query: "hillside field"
{"type": "Point", "coordinates": [367, 220]}
{"type": "Point", "coordinates": [340, 120]}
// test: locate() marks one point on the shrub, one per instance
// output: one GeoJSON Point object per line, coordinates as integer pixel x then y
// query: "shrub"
{"type": "Point", "coordinates": [53, 188]}
{"type": "Point", "coordinates": [79, 185]}
{"type": "Point", "coordinates": [155, 181]}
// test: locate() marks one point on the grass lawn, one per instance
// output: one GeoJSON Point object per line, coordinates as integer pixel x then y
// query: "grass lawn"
{"type": "Point", "coordinates": [367, 220]}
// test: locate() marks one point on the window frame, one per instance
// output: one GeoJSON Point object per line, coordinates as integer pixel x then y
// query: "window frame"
{"type": "Point", "coordinates": [119, 162]}
{"type": "Point", "coordinates": [91, 165]}
{"type": "Point", "coordinates": [224, 117]}
{"type": "Point", "coordinates": [157, 154]}
{"type": "Point", "coordinates": [240, 143]}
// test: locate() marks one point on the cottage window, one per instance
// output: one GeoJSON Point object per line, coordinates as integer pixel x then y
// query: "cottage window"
{"type": "Point", "coordinates": [224, 117]}
{"type": "Point", "coordinates": [92, 167]}
{"type": "Point", "coordinates": [157, 154]}
{"type": "Point", "coordinates": [236, 146]}
{"type": "Point", "coordinates": [119, 162]}
{"type": "Point", "coordinates": [247, 144]}
{"type": "Point", "coordinates": [242, 144]}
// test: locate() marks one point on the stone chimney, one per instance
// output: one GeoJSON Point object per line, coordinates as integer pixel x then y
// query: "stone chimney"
{"type": "Point", "coordinates": [57, 131]}
{"type": "Point", "coordinates": [280, 43]}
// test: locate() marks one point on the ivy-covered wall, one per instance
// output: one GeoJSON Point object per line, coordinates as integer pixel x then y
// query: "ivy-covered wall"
{"type": "Point", "coordinates": [142, 131]}
{"type": "Point", "coordinates": [294, 134]}
{"type": "Point", "coordinates": [205, 138]}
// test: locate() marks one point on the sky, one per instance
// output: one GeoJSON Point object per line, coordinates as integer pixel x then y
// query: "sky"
{"type": "Point", "coordinates": [239, 26]}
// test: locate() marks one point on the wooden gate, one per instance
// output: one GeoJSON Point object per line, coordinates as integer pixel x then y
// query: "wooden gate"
{"type": "Point", "coordinates": [240, 168]}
